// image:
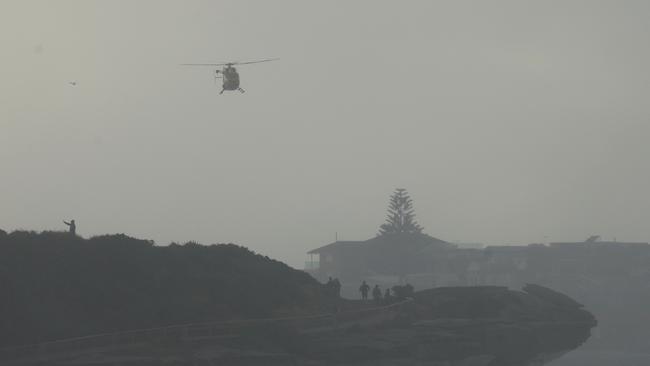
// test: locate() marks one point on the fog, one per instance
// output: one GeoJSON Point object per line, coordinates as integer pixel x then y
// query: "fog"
{"type": "Point", "coordinates": [509, 122]}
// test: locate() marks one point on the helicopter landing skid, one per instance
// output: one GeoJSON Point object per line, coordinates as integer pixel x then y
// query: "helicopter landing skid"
{"type": "Point", "coordinates": [239, 89]}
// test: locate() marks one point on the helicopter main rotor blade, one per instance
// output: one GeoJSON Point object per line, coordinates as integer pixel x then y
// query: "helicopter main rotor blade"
{"type": "Point", "coordinates": [254, 62]}
{"type": "Point", "coordinates": [232, 63]}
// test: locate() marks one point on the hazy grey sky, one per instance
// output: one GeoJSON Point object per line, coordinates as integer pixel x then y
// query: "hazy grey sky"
{"type": "Point", "coordinates": [507, 121]}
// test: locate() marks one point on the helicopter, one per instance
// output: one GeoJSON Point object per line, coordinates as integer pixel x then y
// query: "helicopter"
{"type": "Point", "coordinates": [229, 73]}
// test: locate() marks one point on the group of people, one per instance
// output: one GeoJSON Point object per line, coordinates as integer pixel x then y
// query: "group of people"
{"type": "Point", "coordinates": [377, 295]}
{"type": "Point", "coordinates": [334, 287]}
{"type": "Point", "coordinates": [398, 292]}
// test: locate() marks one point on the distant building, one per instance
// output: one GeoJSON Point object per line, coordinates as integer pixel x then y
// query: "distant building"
{"type": "Point", "coordinates": [426, 262]}
{"type": "Point", "coordinates": [340, 259]}
{"type": "Point", "coordinates": [599, 244]}
{"type": "Point", "coordinates": [387, 260]}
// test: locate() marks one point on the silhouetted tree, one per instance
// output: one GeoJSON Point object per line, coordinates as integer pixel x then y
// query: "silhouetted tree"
{"type": "Point", "coordinates": [401, 216]}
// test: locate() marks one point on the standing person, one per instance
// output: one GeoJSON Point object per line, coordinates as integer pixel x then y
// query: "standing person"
{"type": "Point", "coordinates": [72, 226]}
{"type": "Point", "coordinates": [336, 287]}
{"type": "Point", "coordinates": [376, 293]}
{"type": "Point", "coordinates": [387, 296]}
{"type": "Point", "coordinates": [328, 286]}
{"type": "Point", "coordinates": [364, 288]}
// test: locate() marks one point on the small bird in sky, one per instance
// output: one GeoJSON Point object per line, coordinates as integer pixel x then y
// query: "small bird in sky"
{"type": "Point", "coordinates": [73, 83]}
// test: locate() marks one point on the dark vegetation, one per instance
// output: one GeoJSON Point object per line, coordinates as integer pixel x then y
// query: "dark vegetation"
{"type": "Point", "coordinates": [55, 285]}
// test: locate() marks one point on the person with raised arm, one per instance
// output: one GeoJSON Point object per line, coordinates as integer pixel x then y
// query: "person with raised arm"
{"type": "Point", "coordinates": [72, 227]}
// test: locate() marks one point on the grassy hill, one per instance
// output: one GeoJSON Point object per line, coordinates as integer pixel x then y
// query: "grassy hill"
{"type": "Point", "coordinates": [56, 286]}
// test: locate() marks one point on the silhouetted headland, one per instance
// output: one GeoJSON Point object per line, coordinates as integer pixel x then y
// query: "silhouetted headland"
{"type": "Point", "coordinates": [69, 300]}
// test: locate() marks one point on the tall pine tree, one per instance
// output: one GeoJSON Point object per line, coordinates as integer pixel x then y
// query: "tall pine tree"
{"type": "Point", "coordinates": [401, 216]}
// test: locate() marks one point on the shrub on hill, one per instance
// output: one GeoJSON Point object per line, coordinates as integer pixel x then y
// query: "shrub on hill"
{"type": "Point", "coordinates": [56, 286]}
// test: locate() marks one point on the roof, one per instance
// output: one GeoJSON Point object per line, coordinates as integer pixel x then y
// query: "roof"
{"type": "Point", "coordinates": [418, 240]}
{"type": "Point", "coordinates": [599, 244]}
{"type": "Point", "coordinates": [336, 245]}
